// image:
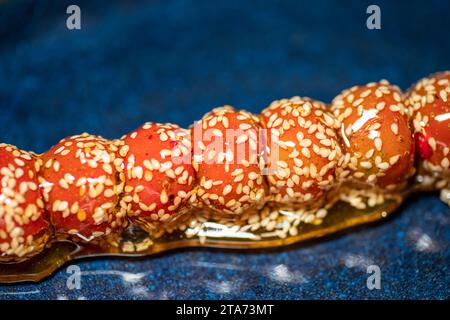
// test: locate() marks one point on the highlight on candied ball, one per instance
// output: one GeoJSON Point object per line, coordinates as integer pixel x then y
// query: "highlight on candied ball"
{"type": "Point", "coordinates": [81, 181]}
{"type": "Point", "coordinates": [159, 173]}
{"type": "Point", "coordinates": [24, 229]}
{"type": "Point", "coordinates": [429, 104]}
{"type": "Point", "coordinates": [304, 151]}
{"type": "Point", "coordinates": [376, 139]}
{"type": "Point", "coordinates": [228, 161]}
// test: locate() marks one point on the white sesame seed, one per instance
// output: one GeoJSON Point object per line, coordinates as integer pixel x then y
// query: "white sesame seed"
{"type": "Point", "coordinates": [306, 153]}
{"type": "Point", "coordinates": [393, 160]}
{"type": "Point", "coordinates": [443, 95]}
{"type": "Point", "coordinates": [394, 128]}
{"type": "Point", "coordinates": [378, 144]}
{"type": "Point", "coordinates": [164, 198]}
{"type": "Point", "coordinates": [383, 165]}
{"type": "Point", "coordinates": [394, 108]}
{"type": "Point", "coordinates": [432, 143]}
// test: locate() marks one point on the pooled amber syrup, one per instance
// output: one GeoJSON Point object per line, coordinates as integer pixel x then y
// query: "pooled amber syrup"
{"type": "Point", "coordinates": [135, 242]}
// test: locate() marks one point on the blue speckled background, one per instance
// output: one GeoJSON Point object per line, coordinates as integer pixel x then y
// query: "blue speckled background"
{"type": "Point", "coordinates": [172, 61]}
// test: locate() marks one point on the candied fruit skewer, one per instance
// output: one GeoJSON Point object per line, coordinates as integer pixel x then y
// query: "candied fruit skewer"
{"type": "Point", "coordinates": [377, 144]}
{"type": "Point", "coordinates": [304, 151]}
{"type": "Point", "coordinates": [228, 161]}
{"type": "Point", "coordinates": [24, 228]}
{"type": "Point", "coordinates": [88, 188]}
{"type": "Point", "coordinates": [82, 180]}
{"type": "Point", "coordinates": [428, 102]}
{"type": "Point", "coordinates": [159, 174]}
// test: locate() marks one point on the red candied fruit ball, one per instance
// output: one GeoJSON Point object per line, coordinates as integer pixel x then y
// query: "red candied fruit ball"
{"type": "Point", "coordinates": [159, 173]}
{"type": "Point", "coordinates": [24, 229]}
{"type": "Point", "coordinates": [428, 102]}
{"type": "Point", "coordinates": [228, 161]}
{"type": "Point", "coordinates": [376, 139]}
{"type": "Point", "coordinates": [303, 149]}
{"type": "Point", "coordinates": [82, 179]}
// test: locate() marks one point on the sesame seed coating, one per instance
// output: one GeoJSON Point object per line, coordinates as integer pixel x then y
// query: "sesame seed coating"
{"type": "Point", "coordinates": [289, 165]}
{"type": "Point", "coordinates": [377, 141]}
{"type": "Point", "coordinates": [159, 173]}
{"type": "Point", "coordinates": [428, 102]}
{"type": "Point", "coordinates": [228, 161]}
{"type": "Point", "coordinates": [81, 180]}
{"type": "Point", "coordinates": [303, 149]}
{"type": "Point", "coordinates": [24, 228]}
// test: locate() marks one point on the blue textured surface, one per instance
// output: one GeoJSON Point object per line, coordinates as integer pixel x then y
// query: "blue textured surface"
{"type": "Point", "coordinates": [172, 61]}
